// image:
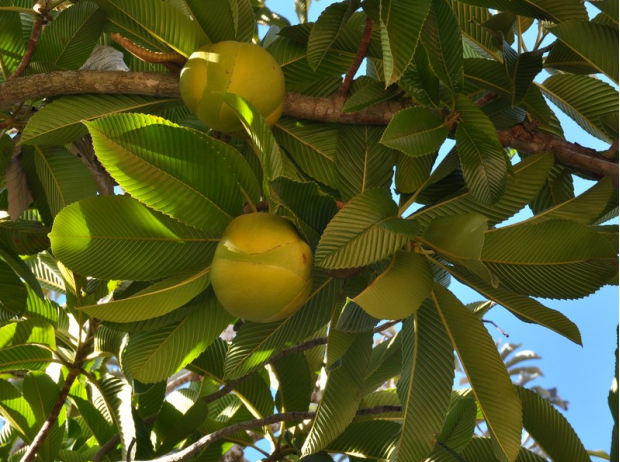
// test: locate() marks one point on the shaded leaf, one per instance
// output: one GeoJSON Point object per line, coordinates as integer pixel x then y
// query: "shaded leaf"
{"type": "Point", "coordinates": [486, 372]}
{"type": "Point", "coordinates": [359, 234]}
{"type": "Point", "coordinates": [425, 385]}
{"type": "Point", "coordinates": [341, 397]}
{"type": "Point", "coordinates": [154, 356]}
{"type": "Point", "coordinates": [415, 132]}
{"type": "Point", "coordinates": [482, 156]}
{"type": "Point", "coordinates": [401, 25]}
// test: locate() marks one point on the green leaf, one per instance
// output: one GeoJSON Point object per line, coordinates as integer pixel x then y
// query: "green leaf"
{"type": "Point", "coordinates": [24, 237]}
{"type": "Point", "coordinates": [385, 363]}
{"type": "Point", "coordinates": [114, 394]}
{"type": "Point", "coordinates": [24, 357]}
{"type": "Point", "coordinates": [459, 426]}
{"type": "Point", "coordinates": [400, 290]}
{"type": "Point", "coordinates": [157, 300]}
{"type": "Point", "coordinates": [312, 145]}
{"type": "Point", "coordinates": [415, 132]}
{"type": "Point", "coordinates": [529, 176]}
{"type": "Point", "coordinates": [401, 25]}
{"type": "Point", "coordinates": [12, 44]}
{"type": "Point", "coordinates": [154, 356]}
{"type": "Point", "coordinates": [12, 290]}
{"type": "Point", "coordinates": [223, 19]}
{"type": "Point", "coordinates": [525, 308]}
{"type": "Point", "coordinates": [471, 19]}
{"type": "Point", "coordinates": [568, 92]}
{"type": "Point", "coordinates": [412, 172]}
{"type": "Point", "coordinates": [100, 428]}
{"type": "Point", "coordinates": [549, 428]}
{"type": "Point", "coordinates": [425, 385]}
{"type": "Point", "coordinates": [368, 95]}
{"type": "Point", "coordinates": [169, 168]}
{"type": "Point", "coordinates": [552, 10]}
{"type": "Point", "coordinates": [65, 179]}
{"type": "Point", "coordinates": [595, 43]}
{"type": "Point", "coordinates": [584, 209]}
{"type": "Point", "coordinates": [61, 121]}
{"type": "Point", "coordinates": [21, 269]}
{"type": "Point", "coordinates": [16, 411]}
{"type": "Point", "coordinates": [164, 23]}
{"type": "Point", "coordinates": [609, 8]}
{"type": "Point", "coordinates": [482, 156]}
{"type": "Point", "coordinates": [562, 58]}
{"type": "Point", "coordinates": [27, 332]}
{"type": "Point", "coordinates": [183, 427]}
{"type": "Point", "coordinates": [420, 80]}
{"type": "Point", "coordinates": [522, 69]}
{"type": "Point", "coordinates": [326, 29]}
{"type": "Point", "coordinates": [296, 383]}
{"type": "Point", "coordinates": [274, 163]}
{"type": "Point", "coordinates": [441, 36]}
{"type": "Point", "coordinates": [291, 55]}
{"type": "Point", "coordinates": [362, 162]}
{"type": "Point", "coordinates": [489, 75]}
{"type": "Point", "coordinates": [41, 392]}
{"type": "Point", "coordinates": [139, 244]}
{"type": "Point", "coordinates": [68, 41]}
{"type": "Point", "coordinates": [341, 396]}
{"type": "Point", "coordinates": [359, 234]}
{"type": "Point", "coordinates": [459, 239]}
{"type": "Point", "coordinates": [486, 372]}
{"type": "Point", "coordinates": [552, 259]}
{"type": "Point", "coordinates": [255, 343]}
{"type": "Point", "coordinates": [481, 450]}
{"type": "Point", "coordinates": [375, 439]}
{"type": "Point", "coordinates": [310, 208]}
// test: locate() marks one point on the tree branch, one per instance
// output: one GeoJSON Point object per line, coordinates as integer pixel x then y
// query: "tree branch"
{"type": "Point", "coordinates": [250, 424]}
{"type": "Point", "coordinates": [359, 57]}
{"type": "Point", "coordinates": [525, 138]}
{"type": "Point", "coordinates": [51, 420]}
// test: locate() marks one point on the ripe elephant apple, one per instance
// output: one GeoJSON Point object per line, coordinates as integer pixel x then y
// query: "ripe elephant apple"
{"type": "Point", "coordinates": [262, 268]}
{"type": "Point", "coordinates": [245, 69]}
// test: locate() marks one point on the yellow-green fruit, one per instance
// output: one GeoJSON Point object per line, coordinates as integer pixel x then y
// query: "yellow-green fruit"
{"type": "Point", "coordinates": [245, 69]}
{"type": "Point", "coordinates": [262, 268]}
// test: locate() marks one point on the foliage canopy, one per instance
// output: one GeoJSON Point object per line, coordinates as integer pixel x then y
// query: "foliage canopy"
{"type": "Point", "coordinates": [106, 307]}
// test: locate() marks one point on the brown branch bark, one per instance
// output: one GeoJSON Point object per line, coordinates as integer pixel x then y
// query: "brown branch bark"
{"type": "Point", "coordinates": [173, 61]}
{"type": "Point", "coordinates": [359, 57]}
{"type": "Point", "coordinates": [523, 138]}
{"type": "Point", "coordinates": [51, 420]}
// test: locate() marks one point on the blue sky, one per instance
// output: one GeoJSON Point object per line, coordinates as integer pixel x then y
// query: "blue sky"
{"type": "Point", "coordinates": [582, 375]}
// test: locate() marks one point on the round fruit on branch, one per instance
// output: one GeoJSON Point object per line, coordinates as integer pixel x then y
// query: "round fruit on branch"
{"type": "Point", "coordinates": [245, 69]}
{"type": "Point", "coordinates": [262, 268]}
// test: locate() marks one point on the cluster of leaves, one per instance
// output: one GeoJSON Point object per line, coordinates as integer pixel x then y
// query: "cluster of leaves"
{"type": "Point", "coordinates": [134, 268]}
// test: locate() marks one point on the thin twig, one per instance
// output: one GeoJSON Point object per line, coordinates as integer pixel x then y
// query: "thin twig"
{"type": "Point", "coordinates": [182, 380]}
{"type": "Point", "coordinates": [42, 17]}
{"type": "Point", "coordinates": [52, 418]}
{"type": "Point", "coordinates": [385, 326]}
{"type": "Point", "coordinates": [250, 424]}
{"type": "Point", "coordinates": [503, 332]}
{"type": "Point", "coordinates": [173, 61]}
{"type": "Point", "coordinates": [359, 57]}
{"type": "Point", "coordinates": [226, 389]}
